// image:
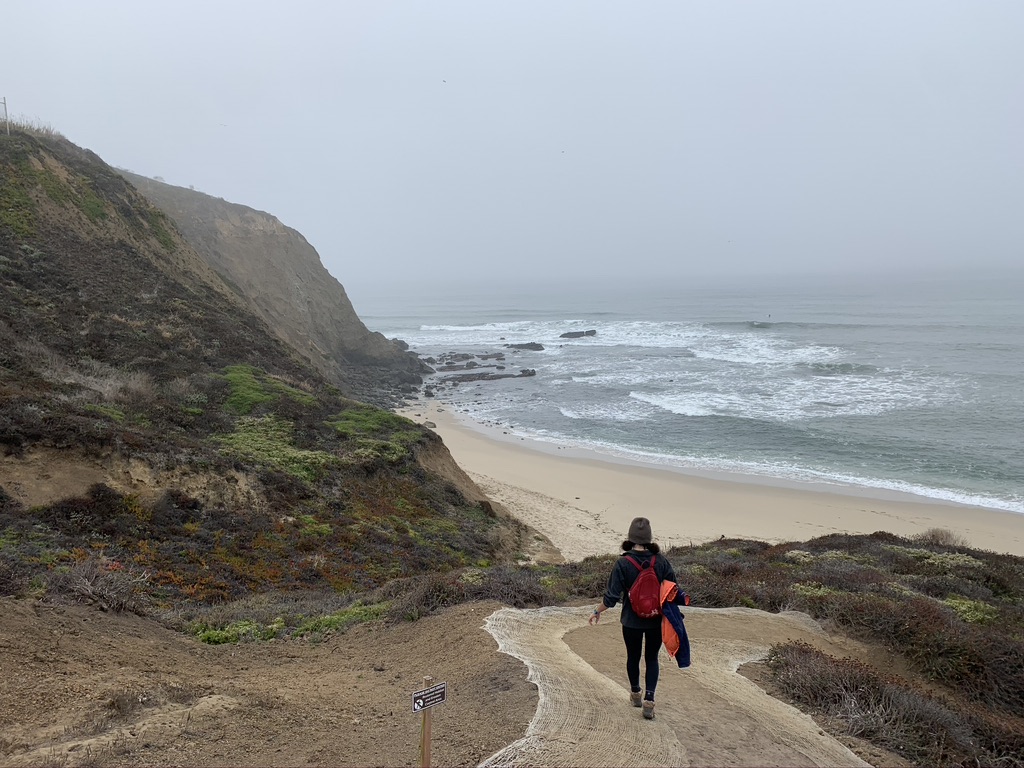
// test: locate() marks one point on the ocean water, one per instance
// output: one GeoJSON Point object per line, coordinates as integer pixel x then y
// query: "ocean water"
{"type": "Point", "coordinates": [914, 385]}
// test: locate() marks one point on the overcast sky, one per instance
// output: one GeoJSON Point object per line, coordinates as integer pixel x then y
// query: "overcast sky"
{"type": "Point", "coordinates": [553, 139]}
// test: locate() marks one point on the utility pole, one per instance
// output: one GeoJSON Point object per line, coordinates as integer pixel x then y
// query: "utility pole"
{"type": "Point", "coordinates": [7, 122]}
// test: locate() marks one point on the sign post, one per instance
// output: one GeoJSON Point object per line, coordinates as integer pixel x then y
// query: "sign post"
{"type": "Point", "coordinates": [7, 121]}
{"type": "Point", "coordinates": [422, 701]}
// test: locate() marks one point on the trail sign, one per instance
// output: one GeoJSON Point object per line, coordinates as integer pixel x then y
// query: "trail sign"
{"type": "Point", "coordinates": [429, 697]}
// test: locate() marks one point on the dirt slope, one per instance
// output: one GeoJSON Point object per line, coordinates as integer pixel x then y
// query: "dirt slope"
{"type": "Point", "coordinates": [80, 687]}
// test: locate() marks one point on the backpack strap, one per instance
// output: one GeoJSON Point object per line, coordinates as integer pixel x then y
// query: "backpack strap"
{"type": "Point", "coordinates": [637, 565]}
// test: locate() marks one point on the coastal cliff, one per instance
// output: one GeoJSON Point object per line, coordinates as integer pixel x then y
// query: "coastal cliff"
{"type": "Point", "coordinates": [149, 417]}
{"type": "Point", "coordinates": [276, 270]}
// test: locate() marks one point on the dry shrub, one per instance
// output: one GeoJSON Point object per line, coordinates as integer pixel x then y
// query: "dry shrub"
{"type": "Point", "coordinates": [770, 591]}
{"type": "Point", "coordinates": [845, 575]}
{"type": "Point", "coordinates": [103, 381]}
{"type": "Point", "coordinates": [51, 364]}
{"type": "Point", "coordinates": [427, 595]}
{"type": "Point", "coordinates": [107, 585]}
{"type": "Point", "coordinates": [36, 127]}
{"type": "Point", "coordinates": [983, 665]}
{"type": "Point", "coordinates": [101, 511]}
{"type": "Point", "coordinates": [941, 537]}
{"type": "Point", "coordinates": [517, 587]}
{"type": "Point", "coordinates": [711, 590]}
{"type": "Point", "coordinates": [15, 573]}
{"type": "Point", "coordinates": [587, 577]}
{"type": "Point", "coordinates": [893, 714]}
{"type": "Point", "coordinates": [943, 585]}
{"type": "Point", "coordinates": [8, 504]}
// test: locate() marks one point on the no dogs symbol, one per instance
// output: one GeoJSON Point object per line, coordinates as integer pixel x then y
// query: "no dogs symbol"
{"type": "Point", "coordinates": [429, 697]}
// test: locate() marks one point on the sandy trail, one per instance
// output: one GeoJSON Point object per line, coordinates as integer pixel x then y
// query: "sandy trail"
{"type": "Point", "coordinates": [707, 715]}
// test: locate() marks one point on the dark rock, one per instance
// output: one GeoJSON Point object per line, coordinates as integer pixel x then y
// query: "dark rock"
{"type": "Point", "coordinates": [577, 334]}
{"type": "Point", "coordinates": [429, 425]}
{"type": "Point", "coordinates": [533, 346]}
{"type": "Point", "coordinates": [462, 367]}
{"type": "Point", "coordinates": [463, 378]}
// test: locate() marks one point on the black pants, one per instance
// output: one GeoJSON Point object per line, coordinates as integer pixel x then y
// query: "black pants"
{"type": "Point", "coordinates": [634, 648]}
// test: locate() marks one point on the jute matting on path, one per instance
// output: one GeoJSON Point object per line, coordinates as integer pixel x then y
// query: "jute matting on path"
{"type": "Point", "coordinates": [706, 715]}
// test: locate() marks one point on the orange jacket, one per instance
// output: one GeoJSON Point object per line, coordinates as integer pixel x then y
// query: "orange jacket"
{"type": "Point", "coordinates": [669, 637]}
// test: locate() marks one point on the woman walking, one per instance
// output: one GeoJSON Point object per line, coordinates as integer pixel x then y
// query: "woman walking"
{"type": "Point", "coordinates": [641, 635]}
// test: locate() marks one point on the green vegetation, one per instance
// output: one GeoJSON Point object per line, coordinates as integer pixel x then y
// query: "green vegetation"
{"type": "Point", "coordinates": [89, 203]}
{"type": "Point", "coordinates": [251, 387]}
{"type": "Point", "coordinates": [109, 411]}
{"type": "Point", "coordinates": [247, 390]}
{"type": "Point", "coordinates": [158, 226]}
{"type": "Point", "coordinates": [809, 590]}
{"type": "Point", "coordinates": [295, 626]}
{"type": "Point", "coordinates": [310, 527]}
{"type": "Point", "coordinates": [54, 188]}
{"type": "Point", "coordinates": [972, 611]}
{"type": "Point", "coordinates": [238, 631]}
{"type": "Point", "coordinates": [268, 440]}
{"type": "Point", "coordinates": [17, 210]}
{"type": "Point", "coordinates": [359, 420]}
{"type": "Point", "coordinates": [342, 620]}
{"type": "Point", "coordinates": [376, 434]}
{"type": "Point", "coordinates": [77, 193]}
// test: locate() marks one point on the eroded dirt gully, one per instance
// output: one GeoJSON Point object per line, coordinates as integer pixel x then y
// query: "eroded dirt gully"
{"type": "Point", "coordinates": [81, 687]}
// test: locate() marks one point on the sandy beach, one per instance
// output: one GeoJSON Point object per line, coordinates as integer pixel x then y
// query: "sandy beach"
{"type": "Point", "coordinates": [584, 501]}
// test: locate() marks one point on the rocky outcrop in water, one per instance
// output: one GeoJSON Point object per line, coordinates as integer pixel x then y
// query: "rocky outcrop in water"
{"type": "Point", "coordinates": [532, 346]}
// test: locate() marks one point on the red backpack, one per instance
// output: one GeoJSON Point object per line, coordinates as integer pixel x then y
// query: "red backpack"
{"type": "Point", "coordinates": [645, 594]}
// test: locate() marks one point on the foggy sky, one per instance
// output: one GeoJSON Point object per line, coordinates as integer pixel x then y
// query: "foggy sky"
{"type": "Point", "coordinates": [462, 140]}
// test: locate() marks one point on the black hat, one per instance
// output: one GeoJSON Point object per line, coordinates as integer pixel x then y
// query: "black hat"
{"type": "Point", "coordinates": [640, 531]}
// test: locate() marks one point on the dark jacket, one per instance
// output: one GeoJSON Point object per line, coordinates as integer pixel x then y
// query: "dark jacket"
{"type": "Point", "coordinates": [623, 575]}
{"type": "Point", "coordinates": [674, 616]}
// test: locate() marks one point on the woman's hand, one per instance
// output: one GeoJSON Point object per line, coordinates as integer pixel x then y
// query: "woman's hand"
{"type": "Point", "coordinates": [595, 617]}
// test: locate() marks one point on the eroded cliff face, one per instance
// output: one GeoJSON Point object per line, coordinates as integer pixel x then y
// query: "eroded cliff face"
{"type": "Point", "coordinates": [280, 275]}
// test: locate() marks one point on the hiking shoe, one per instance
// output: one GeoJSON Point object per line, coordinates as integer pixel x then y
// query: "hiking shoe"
{"type": "Point", "coordinates": [636, 699]}
{"type": "Point", "coordinates": [648, 709]}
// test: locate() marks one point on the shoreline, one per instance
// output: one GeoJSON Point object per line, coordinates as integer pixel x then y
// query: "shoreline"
{"type": "Point", "coordinates": [583, 501]}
